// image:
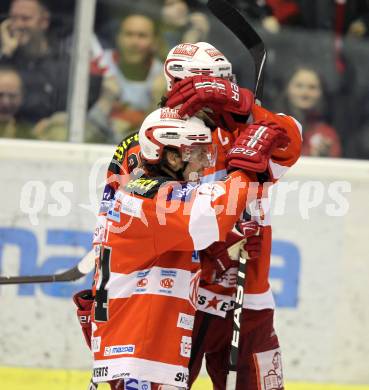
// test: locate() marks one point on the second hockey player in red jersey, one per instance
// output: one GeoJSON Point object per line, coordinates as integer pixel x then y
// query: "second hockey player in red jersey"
{"type": "Point", "coordinates": [206, 84]}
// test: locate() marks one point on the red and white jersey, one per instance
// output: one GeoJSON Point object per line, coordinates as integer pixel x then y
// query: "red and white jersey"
{"type": "Point", "coordinates": [217, 298]}
{"type": "Point", "coordinates": [145, 279]}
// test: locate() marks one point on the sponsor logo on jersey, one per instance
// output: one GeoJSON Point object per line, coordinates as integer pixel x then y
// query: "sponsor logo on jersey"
{"type": "Point", "coordinates": [185, 321]}
{"type": "Point", "coordinates": [195, 257]}
{"type": "Point", "coordinates": [134, 384]}
{"type": "Point", "coordinates": [183, 192]}
{"type": "Point", "coordinates": [169, 113]}
{"type": "Point", "coordinates": [270, 369]}
{"type": "Point", "coordinates": [185, 347]}
{"type": "Point", "coordinates": [131, 206]}
{"type": "Point", "coordinates": [109, 192]}
{"type": "Point", "coordinates": [121, 375]}
{"type": "Point", "coordinates": [186, 49]}
{"type": "Point", "coordinates": [95, 344]}
{"type": "Point", "coordinates": [143, 274]}
{"type": "Point", "coordinates": [107, 198]}
{"type": "Point", "coordinates": [99, 234]}
{"type": "Point", "coordinates": [181, 377]}
{"type": "Point", "coordinates": [105, 206]}
{"type": "Point", "coordinates": [100, 372]}
{"type": "Point", "coordinates": [114, 210]}
{"type": "Point", "coordinates": [141, 185]}
{"type": "Point", "coordinates": [168, 272]}
{"type": "Point", "coordinates": [213, 52]}
{"type": "Point", "coordinates": [119, 350]}
{"type": "Point", "coordinates": [123, 146]}
{"type": "Point", "coordinates": [167, 283]}
{"type": "Point", "coordinates": [213, 303]}
{"type": "Point", "coordinates": [142, 283]}
{"type": "Point", "coordinates": [145, 186]}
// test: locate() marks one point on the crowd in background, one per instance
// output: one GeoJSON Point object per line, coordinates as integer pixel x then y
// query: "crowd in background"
{"type": "Point", "coordinates": [318, 53]}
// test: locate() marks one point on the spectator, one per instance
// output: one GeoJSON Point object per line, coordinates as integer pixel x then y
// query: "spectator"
{"type": "Point", "coordinates": [357, 141]}
{"type": "Point", "coordinates": [303, 98]}
{"type": "Point", "coordinates": [26, 27]}
{"type": "Point", "coordinates": [341, 16]}
{"type": "Point", "coordinates": [179, 24]}
{"type": "Point", "coordinates": [11, 96]}
{"type": "Point", "coordinates": [26, 46]}
{"type": "Point", "coordinates": [271, 13]}
{"type": "Point", "coordinates": [137, 75]}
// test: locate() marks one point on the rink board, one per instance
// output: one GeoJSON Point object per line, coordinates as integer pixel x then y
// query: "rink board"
{"type": "Point", "coordinates": [50, 194]}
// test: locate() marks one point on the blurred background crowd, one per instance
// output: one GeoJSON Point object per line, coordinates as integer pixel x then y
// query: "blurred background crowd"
{"type": "Point", "coordinates": [317, 68]}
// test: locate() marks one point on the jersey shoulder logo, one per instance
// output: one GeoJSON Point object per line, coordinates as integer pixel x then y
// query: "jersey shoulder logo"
{"type": "Point", "coordinates": [145, 186]}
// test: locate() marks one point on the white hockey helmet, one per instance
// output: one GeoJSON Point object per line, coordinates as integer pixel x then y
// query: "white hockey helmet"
{"type": "Point", "coordinates": [164, 127]}
{"type": "Point", "coordinates": [187, 60]}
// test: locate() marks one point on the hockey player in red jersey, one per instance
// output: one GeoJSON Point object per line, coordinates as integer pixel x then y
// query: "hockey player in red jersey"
{"type": "Point", "coordinates": [196, 83]}
{"type": "Point", "coordinates": [143, 308]}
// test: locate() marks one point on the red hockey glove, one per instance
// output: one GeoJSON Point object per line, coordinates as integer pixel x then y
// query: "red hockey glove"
{"type": "Point", "coordinates": [253, 148]}
{"type": "Point", "coordinates": [251, 249]}
{"type": "Point", "coordinates": [84, 301]}
{"type": "Point", "coordinates": [222, 255]}
{"type": "Point", "coordinates": [197, 92]}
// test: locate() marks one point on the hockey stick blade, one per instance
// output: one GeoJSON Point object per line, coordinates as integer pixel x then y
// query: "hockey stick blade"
{"type": "Point", "coordinates": [242, 29]}
{"type": "Point", "coordinates": [85, 266]}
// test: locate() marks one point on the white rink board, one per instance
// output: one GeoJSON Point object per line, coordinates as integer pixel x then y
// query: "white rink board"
{"type": "Point", "coordinates": [320, 267]}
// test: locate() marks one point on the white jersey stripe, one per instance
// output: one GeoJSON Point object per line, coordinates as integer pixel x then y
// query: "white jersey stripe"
{"type": "Point", "coordinates": [203, 226]}
{"type": "Point", "coordinates": [156, 280]}
{"type": "Point", "coordinates": [130, 367]}
{"type": "Point", "coordinates": [259, 301]}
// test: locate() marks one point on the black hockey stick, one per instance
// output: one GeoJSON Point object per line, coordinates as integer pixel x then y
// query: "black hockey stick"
{"type": "Point", "coordinates": [233, 357]}
{"type": "Point", "coordinates": [241, 28]}
{"type": "Point", "coordinates": [84, 267]}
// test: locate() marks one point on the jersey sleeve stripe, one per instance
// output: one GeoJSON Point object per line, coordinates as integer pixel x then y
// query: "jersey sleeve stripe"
{"type": "Point", "coordinates": [259, 301]}
{"type": "Point", "coordinates": [203, 225]}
